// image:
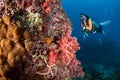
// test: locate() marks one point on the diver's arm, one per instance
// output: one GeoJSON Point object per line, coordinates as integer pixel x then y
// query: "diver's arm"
{"type": "Point", "coordinates": [89, 27]}
{"type": "Point", "coordinates": [82, 27]}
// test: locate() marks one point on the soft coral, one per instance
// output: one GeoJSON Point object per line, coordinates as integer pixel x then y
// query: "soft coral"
{"type": "Point", "coordinates": [68, 46]}
{"type": "Point", "coordinates": [46, 7]}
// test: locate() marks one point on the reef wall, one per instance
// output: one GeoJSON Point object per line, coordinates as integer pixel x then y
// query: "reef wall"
{"type": "Point", "coordinates": [35, 41]}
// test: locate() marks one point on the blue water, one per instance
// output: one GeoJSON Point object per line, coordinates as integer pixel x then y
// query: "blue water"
{"type": "Point", "coordinates": [97, 49]}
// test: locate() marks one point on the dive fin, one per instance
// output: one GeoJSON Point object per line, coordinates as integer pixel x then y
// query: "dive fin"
{"type": "Point", "coordinates": [105, 23]}
{"type": "Point", "coordinates": [85, 35]}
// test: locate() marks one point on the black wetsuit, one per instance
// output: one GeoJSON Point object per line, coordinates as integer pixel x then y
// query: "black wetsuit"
{"type": "Point", "coordinates": [96, 27]}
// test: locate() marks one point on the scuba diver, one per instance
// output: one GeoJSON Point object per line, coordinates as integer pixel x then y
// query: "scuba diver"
{"type": "Point", "coordinates": [88, 25]}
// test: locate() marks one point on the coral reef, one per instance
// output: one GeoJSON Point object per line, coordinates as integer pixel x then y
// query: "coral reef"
{"type": "Point", "coordinates": [35, 39]}
{"type": "Point", "coordinates": [13, 44]}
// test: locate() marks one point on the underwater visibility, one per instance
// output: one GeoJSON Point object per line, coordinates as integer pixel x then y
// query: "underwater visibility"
{"type": "Point", "coordinates": [96, 26]}
{"type": "Point", "coordinates": [59, 40]}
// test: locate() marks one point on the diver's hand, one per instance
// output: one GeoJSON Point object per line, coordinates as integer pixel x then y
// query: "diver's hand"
{"type": "Point", "coordinates": [84, 28]}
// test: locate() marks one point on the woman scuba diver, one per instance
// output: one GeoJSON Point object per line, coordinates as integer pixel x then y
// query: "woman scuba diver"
{"type": "Point", "coordinates": [89, 25]}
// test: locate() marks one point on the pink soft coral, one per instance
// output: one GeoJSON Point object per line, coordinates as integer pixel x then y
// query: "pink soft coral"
{"type": "Point", "coordinates": [68, 46]}
{"type": "Point", "coordinates": [45, 6]}
{"type": "Point", "coordinates": [52, 57]}
{"type": "Point", "coordinates": [67, 66]}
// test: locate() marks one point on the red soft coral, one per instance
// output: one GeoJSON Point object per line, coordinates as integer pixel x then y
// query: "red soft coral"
{"type": "Point", "coordinates": [52, 57]}
{"type": "Point", "coordinates": [68, 46]}
{"type": "Point", "coordinates": [45, 6]}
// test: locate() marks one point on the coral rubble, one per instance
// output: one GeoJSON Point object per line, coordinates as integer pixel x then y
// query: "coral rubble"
{"type": "Point", "coordinates": [35, 41]}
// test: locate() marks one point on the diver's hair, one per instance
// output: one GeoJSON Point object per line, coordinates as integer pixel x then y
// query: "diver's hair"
{"type": "Point", "coordinates": [85, 15]}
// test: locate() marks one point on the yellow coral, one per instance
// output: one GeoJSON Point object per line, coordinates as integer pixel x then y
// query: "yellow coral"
{"type": "Point", "coordinates": [14, 42]}
{"type": "Point", "coordinates": [48, 40]}
{"type": "Point", "coordinates": [10, 59]}
{"type": "Point", "coordinates": [6, 19]}
{"type": "Point", "coordinates": [0, 20]}
{"type": "Point", "coordinates": [16, 34]}
{"type": "Point", "coordinates": [3, 31]}
{"type": "Point", "coordinates": [26, 35]}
